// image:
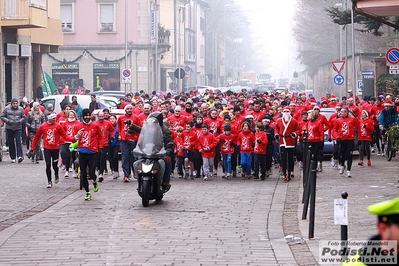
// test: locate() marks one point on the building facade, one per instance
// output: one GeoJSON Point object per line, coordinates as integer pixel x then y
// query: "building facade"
{"type": "Point", "coordinates": [28, 30]}
{"type": "Point", "coordinates": [101, 39]}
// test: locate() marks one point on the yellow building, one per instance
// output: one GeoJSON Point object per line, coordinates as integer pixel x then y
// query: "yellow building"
{"type": "Point", "coordinates": [28, 29]}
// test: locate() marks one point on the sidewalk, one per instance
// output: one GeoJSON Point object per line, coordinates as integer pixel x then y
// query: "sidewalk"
{"type": "Point", "coordinates": [367, 186]}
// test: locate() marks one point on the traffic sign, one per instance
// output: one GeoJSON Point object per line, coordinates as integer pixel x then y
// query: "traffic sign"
{"type": "Point", "coordinates": [126, 76]}
{"type": "Point", "coordinates": [339, 79]}
{"type": "Point", "coordinates": [360, 84]}
{"type": "Point", "coordinates": [338, 65]}
{"type": "Point", "coordinates": [180, 73]}
{"type": "Point", "coordinates": [368, 74]}
{"type": "Point", "coordinates": [392, 55]}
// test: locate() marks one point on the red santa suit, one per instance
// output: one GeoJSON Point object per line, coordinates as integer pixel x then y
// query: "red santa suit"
{"type": "Point", "coordinates": [284, 128]}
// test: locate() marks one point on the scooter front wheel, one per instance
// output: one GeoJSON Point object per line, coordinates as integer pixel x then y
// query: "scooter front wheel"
{"type": "Point", "coordinates": [145, 195]}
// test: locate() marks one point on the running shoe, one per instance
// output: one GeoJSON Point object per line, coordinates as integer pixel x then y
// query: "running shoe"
{"type": "Point", "coordinates": [88, 196]}
{"type": "Point", "coordinates": [20, 159]}
{"type": "Point", "coordinates": [95, 186]}
{"type": "Point", "coordinates": [57, 179]}
{"type": "Point", "coordinates": [116, 175]}
{"type": "Point", "coordinates": [49, 185]}
{"type": "Point", "coordinates": [348, 174]}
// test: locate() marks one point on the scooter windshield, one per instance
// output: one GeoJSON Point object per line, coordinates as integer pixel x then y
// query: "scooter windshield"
{"type": "Point", "coordinates": [150, 143]}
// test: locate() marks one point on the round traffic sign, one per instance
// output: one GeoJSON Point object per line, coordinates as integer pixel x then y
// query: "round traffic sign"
{"type": "Point", "coordinates": [126, 73]}
{"type": "Point", "coordinates": [180, 73]}
{"type": "Point", "coordinates": [339, 79]}
{"type": "Point", "coordinates": [392, 55]}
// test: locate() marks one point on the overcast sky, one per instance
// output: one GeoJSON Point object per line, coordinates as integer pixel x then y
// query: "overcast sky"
{"type": "Point", "coordinates": [271, 20]}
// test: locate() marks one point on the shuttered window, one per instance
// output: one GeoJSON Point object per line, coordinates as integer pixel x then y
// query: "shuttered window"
{"type": "Point", "coordinates": [107, 18]}
{"type": "Point", "coordinates": [67, 17]}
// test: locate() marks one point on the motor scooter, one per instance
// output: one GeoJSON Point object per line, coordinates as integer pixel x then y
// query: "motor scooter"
{"type": "Point", "coordinates": [150, 166]}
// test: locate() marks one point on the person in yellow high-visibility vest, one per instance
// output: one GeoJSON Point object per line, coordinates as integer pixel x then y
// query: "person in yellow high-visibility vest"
{"type": "Point", "coordinates": [387, 227]}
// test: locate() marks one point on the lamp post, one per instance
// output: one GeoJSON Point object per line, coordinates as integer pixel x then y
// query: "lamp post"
{"type": "Point", "coordinates": [179, 85]}
{"type": "Point", "coordinates": [126, 37]}
{"type": "Point", "coordinates": [156, 5]}
{"type": "Point", "coordinates": [354, 87]}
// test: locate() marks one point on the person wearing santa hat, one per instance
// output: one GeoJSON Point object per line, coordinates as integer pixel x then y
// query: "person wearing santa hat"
{"type": "Point", "coordinates": [333, 101]}
{"type": "Point", "coordinates": [365, 137]}
{"type": "Point", "coordinates": [388, 117]}
{"type": "Point", "coordinates": [286, 131]}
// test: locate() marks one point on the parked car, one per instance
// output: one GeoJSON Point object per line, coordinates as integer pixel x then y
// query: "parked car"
{"type": "Point", "coordinates": [109, 100]}
{"type": "Point", "coordinates": [117, 94]}
{"type": "Point", "coordinates": [83, 100]}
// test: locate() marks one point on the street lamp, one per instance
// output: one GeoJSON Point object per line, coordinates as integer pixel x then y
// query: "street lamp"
{"type": "Point", "coordinates": [126, 37]}
{"type": "Point", "coordinates": [339, 6]}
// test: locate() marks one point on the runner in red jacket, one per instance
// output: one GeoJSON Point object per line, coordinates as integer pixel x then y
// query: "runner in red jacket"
{"type": "Point", "coordinates": [365, 137]}
{"type": "Point", "coordinates": [107, 131]}
{"type": "Point", "coordinates": [261, 142]}
{"type": "Point", "coordinates": [87, 133]}
{"type": "Point", "coordinates": [246, 141]}
{"type": "Point", "coordinates": [52, 133]}
{"type": "Point", "coordinates": [315, 131]}
{"type": "Point", "coordinates": [345, 126]}
{"type": "Point", "coordinates": [227, 142]}
{"type": "Point", "coordinates": [206, 145]}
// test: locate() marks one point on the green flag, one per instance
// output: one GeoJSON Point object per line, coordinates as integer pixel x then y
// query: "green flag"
{"type": "Point", "coordinates": [48, 84]}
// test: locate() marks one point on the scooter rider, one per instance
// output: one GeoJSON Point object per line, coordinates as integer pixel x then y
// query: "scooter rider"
{"type": "Point", "coordinates": [168, 146]}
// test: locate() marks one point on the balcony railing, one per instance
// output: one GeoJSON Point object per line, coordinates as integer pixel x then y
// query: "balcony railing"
{"type": "Point", "coordinates": [19, 9]}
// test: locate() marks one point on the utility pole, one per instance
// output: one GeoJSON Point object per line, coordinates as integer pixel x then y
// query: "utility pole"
{"type": "Point", "coordinates": [175, 39]}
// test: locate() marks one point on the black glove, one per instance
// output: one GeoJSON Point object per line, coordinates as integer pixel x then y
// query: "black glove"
{"type": "Point", "coordinates": [111, 140]}
{"type": "Point", "coordinates": [232, 144]}
{"type": "Point", "coordinates": [222, 141]}
{"type": "Point", "coordinates": [259, 141]}
{"type": "Point", "coordinates": [329, 140]}
{"type": "Point", "coordinates": [293, 135]}
{"type": "Point", "coordinates": [359, 142]}
{"type": "Point", "coordinates": [128, 122]}
{"type": "Point", "coordinates": [276, 137]}
{"type": "Point", "coordinates": [211, 131]}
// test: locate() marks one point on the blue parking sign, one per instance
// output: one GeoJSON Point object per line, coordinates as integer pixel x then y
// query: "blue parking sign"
{"type": "Point", "coordinates": [360, 84]}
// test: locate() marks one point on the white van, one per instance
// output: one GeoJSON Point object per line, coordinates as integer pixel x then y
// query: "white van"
{"type": "Point", "coordinates": [83, 101]}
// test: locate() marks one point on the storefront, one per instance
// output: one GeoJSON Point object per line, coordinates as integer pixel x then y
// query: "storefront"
{"type": "Point", "coordinates": [107, 76]}
{"type": "Point", "coordinates": [66, 75]}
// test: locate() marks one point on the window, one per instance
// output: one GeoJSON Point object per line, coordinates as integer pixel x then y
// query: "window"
{"type": "Point", "coordinates": [107, 18]}
{"type": "Point", "coordinates": [202, 24]}
{"type": "Point", "coordinates": [67, 17]}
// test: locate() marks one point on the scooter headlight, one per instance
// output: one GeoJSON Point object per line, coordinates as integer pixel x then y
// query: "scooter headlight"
{"type": "Point", "coordinates": [146, 168]}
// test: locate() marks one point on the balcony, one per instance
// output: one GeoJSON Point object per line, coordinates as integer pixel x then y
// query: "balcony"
{"type": "Point", "coordinates": [23, 13]}
{"type": "Point", "coordinates": [163, 38]}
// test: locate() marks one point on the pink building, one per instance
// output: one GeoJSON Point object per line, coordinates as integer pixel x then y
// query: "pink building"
{"type": "Point", "coordinates": [97, 38]}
